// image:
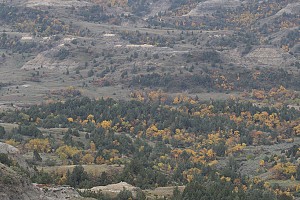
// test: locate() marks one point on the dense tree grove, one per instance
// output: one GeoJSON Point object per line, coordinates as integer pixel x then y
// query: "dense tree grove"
{"type": "Point", "coordinates": [31, 20]}
{"type": "Point", "coordinates": [225, 81]}
{"type": "Point", "coordinates": [188, 137]}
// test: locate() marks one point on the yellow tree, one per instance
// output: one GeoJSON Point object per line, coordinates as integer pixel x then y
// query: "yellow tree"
{"type": "Point", "coordinates": [151, 130]}
{"type": "Point", "coordinates": [297, 129]}
{"type": "Point", "coordinates": [210, 154]}
{"type": "Point", "coordinates": [41, 145]}
{"type": "Point", "coordinates": [12, 142]}
{"type": "Point", "coordinates": [66, 151]}
{"type": "Point", "coordinates": [100, 160]}
{"type": "Point", "coordinates": [105, 124]}
{"type": "Point", "coordinates": [88, 159]}
{"type": "Point", "coordinates": [70, 119]}
{"type": "Point", "coordinates": [261, 163]}
{"type": "Point", "coordinates": [176, 100]}
{"type": "Point", "coordinates": [190, 173]}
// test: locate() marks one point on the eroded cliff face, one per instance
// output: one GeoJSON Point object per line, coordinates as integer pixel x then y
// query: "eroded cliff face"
{"type": "Point", "coordinates": [14, 154]}
{"type": "Point", "coordinates": [15, 186]}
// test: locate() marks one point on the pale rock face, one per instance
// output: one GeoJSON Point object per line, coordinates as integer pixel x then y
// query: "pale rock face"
{"type": "Point", "coordinates": [8, 149]}
{"type": "Point", "coordinates": [14, 186]}
{"type": "Point", "coordinates": [209, 6]}
{"type": "Point", "coordinates": [49, 63]}
{"type": "Point", "coordinates": [267, 56]}
{"type": "Point", "coordinates": [55, 3]}
{"type": "Point", "coordinates": [114, 189]}
{"type": "Point", "coordinates": [292, 8]}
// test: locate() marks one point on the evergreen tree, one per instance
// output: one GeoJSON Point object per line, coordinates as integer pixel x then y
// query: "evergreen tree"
{"type": "Point", "coordinates": [124, 195]}
{"type": "Point", "coordinates": [36, 156]}
{"type": "Point", "coordinates": [77, 177]}
{"type": "Point", "coordinates": [176, 194]}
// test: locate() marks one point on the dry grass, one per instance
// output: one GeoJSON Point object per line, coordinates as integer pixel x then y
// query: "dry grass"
{"type": "Point", "coordinates": [90, 169]}
{"type": "Point", "coordinates": [284, 183]}
{"type": "Point", "coordinates": [8, 127]}
{"type": "Point", "coordinates": [162, 192]}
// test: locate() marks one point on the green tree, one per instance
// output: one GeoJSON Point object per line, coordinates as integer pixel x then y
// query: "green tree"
{"type": "Point", "coordinates": [124, 195]}
{"type": "Point", "coordinates": [298, 173]}
{"type": "Point", "coordinates": [36, 156]}
{"type": "Point", "coordinates": [176, 194]}
{"type": "Point", "coordinates": [78, 177]}
{"type": "Point", "coordinates": [140, 195]}
{"type": "Point", "coordinates": [2, 132]}
{"type": "Point", "coordinates": [4, 159]}
{"type": "Point", "coordinates": [42, 177]}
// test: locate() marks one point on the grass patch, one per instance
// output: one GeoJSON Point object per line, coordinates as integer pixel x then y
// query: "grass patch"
{"type": "Point", "coordinates": [95, 170]}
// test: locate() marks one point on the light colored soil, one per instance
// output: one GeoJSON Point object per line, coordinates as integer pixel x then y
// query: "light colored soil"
{"type": "Point", "coordinates": [91, 169]}
{"type": "Point", "coordinates": [162, 192]}
{"type": "Point", "coordinates": [56, 3]}
{"type": "Point", "coordinates": [209, 6]}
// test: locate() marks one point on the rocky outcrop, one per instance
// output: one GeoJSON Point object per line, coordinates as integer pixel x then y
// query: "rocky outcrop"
{"type": "Point", "coordinates": [49, 63]}
{"type": "Point", "coordinates": [57, 193]}
{"type": "Point", "coordinates": [208, 7]}
{"type": "Point", "coordinates": [16, 186]}
{"type": "Point", "coordinates": [14, 154]}
{"type": "Point", "coordinates": [114, 189]}
{"type": "Point", "coordinates": [55, 3]}
{"type": "Point", "coordinates": [268, 56]}
{"type": "Point", "coordinates": [291, 8]}
{"type": "Point", "coordinates": [8, 149]}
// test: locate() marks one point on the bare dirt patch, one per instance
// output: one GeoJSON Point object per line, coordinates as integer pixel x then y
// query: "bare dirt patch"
{"type": "Point", "coordinates": [209, 7]}
{"type": "Point", "coordinates": [55, 3]}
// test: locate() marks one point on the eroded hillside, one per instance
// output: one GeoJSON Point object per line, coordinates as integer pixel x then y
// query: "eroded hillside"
{"type": "Point", "coordinates": [110, 48]}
